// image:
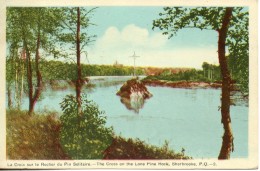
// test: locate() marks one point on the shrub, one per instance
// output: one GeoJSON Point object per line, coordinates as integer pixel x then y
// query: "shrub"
{"type": "Point", "coordinates": [85, 136]}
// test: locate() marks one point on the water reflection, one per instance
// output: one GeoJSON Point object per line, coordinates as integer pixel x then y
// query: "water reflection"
{"type": "Point", "coordinates": [238, 99]}
{"type": "Point", "coordinates": [134, 103]}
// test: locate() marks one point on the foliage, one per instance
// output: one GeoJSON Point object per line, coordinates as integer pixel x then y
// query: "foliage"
{"type": "Point", "coordinates": [57, 70]}
{"type": "Point", "coordinates": [230, 23]}
{"type": "Point", "coordinates": [33, 138]}
{"type": "Point", "coordinates": [191, 75]}
{"type": "Point", "coordinates": [25, 24]}
{"type": "Point", "coordinates": [122, 148]}
{"type": "Point", "coordinates": [210, 18]}
{"type": "Point", "coordinates": [37, 138]}
{"type": "Point", "coordinates": [30, 32]}
{"type": "Point", "coordinates": [238, 47]}
{"type": "Point", "coordinates": [84, 137]}
{"type": "Point", "coordinates": [67, 35]}
{"type": "Point", "coordinates": [109, 70]}
{"type": "Point", "coordinates": [210, 73]}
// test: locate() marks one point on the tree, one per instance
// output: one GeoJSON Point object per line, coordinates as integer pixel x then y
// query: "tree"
{"type": "Point", "coordinates": [25, 26]}
{"type": "Point", "coordinates": [73, 33]}
{"type": "Point", "coordinates": [18, 34]}
{"type": "Point", "coordinates": [14, 63]}
{"type": "Point", "coordinates": [238, 47]}
{"type": "Point", "coordinates": [90, 137]}
{"type": "Point", "coordinates": [211, 71]}
{"type": "Point", "coordinates": [222, 20]}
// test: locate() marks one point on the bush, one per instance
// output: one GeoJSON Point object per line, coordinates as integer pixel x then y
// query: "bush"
{"type": "Point", "coordinates": [84, 137]}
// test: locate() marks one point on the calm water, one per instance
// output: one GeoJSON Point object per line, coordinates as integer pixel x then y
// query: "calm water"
{"type": "Point", "coordinates": [186, 118]}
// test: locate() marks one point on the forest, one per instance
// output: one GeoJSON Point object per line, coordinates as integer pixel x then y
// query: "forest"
{"type": "Point", "coordinates": [46, 45]}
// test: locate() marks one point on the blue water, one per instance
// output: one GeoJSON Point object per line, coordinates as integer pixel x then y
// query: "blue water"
{"type": "Point", "coordinates": [186, 118]}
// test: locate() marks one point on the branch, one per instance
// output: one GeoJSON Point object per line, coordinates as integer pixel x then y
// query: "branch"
{"type": "Point", "coordinates": [72, 59]}
{"type": "Point", "coordinates": [70, 28]}
{"type": "Point", "coordinates": [198, 28]}
{"type": "Point", "coordinates": [89, 11]}
{"type": "Point", "coordinates": [85, 44]}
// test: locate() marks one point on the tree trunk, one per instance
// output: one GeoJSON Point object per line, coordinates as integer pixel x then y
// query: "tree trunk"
{"type": "Point", "coordinates": [17, 74]}
{"type": "Point", "coordinates": [21, 91]}
{"type": "Point", "coordinates": [19, 84]}
{"type": "Point", "coordinates": [212, 74]}
{"type": "Point", "coordinates": [16, 92]}
{"type": "Point", "coordinates": [38, 88]}
{"type": "Point", "coordinates": [79, 79]}
{"type": "Point", "coordinates": [227, 143]}
{"type": "Point", "coordinates": [29, 78]}
{"type": "Point", "coordinates": [33, 98]}
{"type": "Point", "coordinates": [9, 96]}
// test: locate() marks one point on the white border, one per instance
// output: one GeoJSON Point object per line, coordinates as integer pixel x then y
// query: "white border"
{"type": "Point", "coordinates": [250, 163]}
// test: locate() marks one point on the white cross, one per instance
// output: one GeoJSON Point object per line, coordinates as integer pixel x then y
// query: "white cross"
{"type": "Point", "coordinates": [134, 56]}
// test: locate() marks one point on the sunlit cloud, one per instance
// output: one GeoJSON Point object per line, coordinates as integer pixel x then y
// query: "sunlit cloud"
{"type": "Point", "coordinates": [153, 49]}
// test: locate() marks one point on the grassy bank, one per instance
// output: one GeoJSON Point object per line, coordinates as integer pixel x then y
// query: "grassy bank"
{"type": "Point", "coordinates": [37, 137]}
{"type": "Point", "coordinates": [122, 148]}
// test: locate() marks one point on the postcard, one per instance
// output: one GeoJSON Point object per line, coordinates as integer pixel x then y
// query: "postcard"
{"type": "Point", "coordinates": [128, 84]}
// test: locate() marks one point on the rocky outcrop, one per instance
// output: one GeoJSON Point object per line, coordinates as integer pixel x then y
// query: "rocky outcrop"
{"type": "Point", "coordinates": [134, 87]}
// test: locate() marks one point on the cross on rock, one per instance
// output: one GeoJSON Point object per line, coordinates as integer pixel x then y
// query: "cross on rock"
{"type": "Point", "coordinates": [134, 57]}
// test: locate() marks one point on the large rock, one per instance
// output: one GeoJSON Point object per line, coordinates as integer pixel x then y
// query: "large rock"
{"type": "Point", "coordinates": [134, 87]}
{"type": "Point", "coordinates": [133, 94]}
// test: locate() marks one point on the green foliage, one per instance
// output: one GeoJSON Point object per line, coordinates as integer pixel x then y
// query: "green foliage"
{"type": "Point", "coordinates": [67, 35]}
{"type": "Point", "coordinates": [210, 18]}
{"type": "Point", "coordinates": [30, 32]}
{"type": "Point", "coordinates": [24, 25]}
{"type": "Point", "coordinates": [176, 18]}
{"type": "Point", "coordinates": [33, 138]}
{"type": "Point", "coordinates": [238, 47]}
{"type": "Point", "coordinates": [210, 73]}
{"type": "Point", "coordinates": [122, 148]}
{"type": "Point", "coordinates": [57, 70]}
{"type": "Point", "coordinates": [84, 136]}
{"type": "Point", "coordinates": [37, 138]}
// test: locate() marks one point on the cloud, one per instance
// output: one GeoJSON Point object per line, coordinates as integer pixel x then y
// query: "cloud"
{"type": "Point", "coordinates": [131, 36]}
{"type": "Point", "coordinates": [135, 36]}
{"type": "Point", "coordinates": [153, 49]}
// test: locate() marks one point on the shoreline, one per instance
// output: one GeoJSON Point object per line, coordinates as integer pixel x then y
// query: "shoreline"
{"type": "Point", "coordinates": [185, 84]}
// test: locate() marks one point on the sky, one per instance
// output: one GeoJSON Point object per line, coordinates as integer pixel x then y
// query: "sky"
{"type": "Point", "coordinates": [121, 31]}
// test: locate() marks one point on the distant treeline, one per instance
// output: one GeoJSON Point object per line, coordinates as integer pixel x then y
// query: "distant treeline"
{"type": "Point", "coordinates": [210, 73]}
{"type": "Point", "coordinates": [58, 70]}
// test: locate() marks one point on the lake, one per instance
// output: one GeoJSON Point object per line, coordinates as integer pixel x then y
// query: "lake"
{"type": "Point", "coordinates": [186, 118]}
